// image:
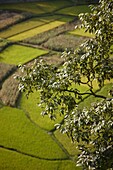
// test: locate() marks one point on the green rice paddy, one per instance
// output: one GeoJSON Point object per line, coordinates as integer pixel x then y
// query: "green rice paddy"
{"type": "Point", "coordinates": [74, 10]}
{"type": "Point", "coordinates": [30, 24]}
{"type": "Point", "coordinates": [36, 8]}
{"type": "Point", "coordinates": [36, 31]}
{"type": "Point", "coordinates": [17, 54]}
{"type": "Point", "coordinates": [21, 27]}
{"type": "Point", "coordinates": [81, 32]}
{"type": "Point", "coordinates": [23, 135]}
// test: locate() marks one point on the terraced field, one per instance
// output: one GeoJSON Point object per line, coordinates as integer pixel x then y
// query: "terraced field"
{"type": "Point", "coordinates": [29, 141]}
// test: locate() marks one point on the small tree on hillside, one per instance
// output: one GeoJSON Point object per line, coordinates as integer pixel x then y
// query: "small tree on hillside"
{"type": "Point", "coordinates": [60, 88]}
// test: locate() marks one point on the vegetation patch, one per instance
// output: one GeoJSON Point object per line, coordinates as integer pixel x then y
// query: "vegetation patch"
{"type": "Point", "coordinates": [4, 43]}
{"type": "Point", "coordinates": [36, 31]}
{"type": "Point", "coordinates": [17, 54]}
{"type": "Point", "coordinates": [27, 25]}
{"type": "Point", "coordinates": [29, 7]}
{"type": "Point", "coordinates": [74, 10]}
{"type": "Point", "coordinates": [18, 132]}
{"type": "Point", "coordinates": [42, 37]}
{"type": "Point", "coordinates": [53, 58]}
{"type": "Point", "coordinates": [13, 160]}
{"type": "Point", "coordinates": [9, 92]}
{"type": "Point", "coordinates": [49, 6]}
{"type": "Point", "coordinates": [81, 32]}
{"type": "Point", "coordinates": [8, 18]}
{"type": "Point", "coordinates": [67, 143]}
{"type": "Point", "coordinates": [36, 7]}
{"type": "Point", "coordinates": [64, 41]}
{"type": "Point", "coordinates": [5, 71]}
{"type": "Point", "coordinates": [21, 27]}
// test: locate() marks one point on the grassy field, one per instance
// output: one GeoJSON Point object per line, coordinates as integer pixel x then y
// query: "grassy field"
{"type": "Point", "coordinates": [17, 54]}
{"type": "Point", "coordinates": [74, 10]}
{"type": "Point", "coordinates": [25, 136]}
{"type": "Point", "coordinates": [81, 32]}
{"type": "Point", "coordinates": [36, 8]}
{"type": "Point", "coordinates": [27, 25]}
{"type": "Point", "coordinates": [23, 26]}
{"type": "Point", "coordinates": [13, 160]}
{"type": "Point", "coordinates": [32, 146]}
{"type": "Point", "coordinates": [26, 7]}
{"type": "Point", "coordinates": [36, 31]}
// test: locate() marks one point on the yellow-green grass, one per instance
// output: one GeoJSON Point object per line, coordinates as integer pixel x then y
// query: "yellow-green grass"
{"type": "Point", "coordinates": [23, 26]}
{"type": "Point", "coordinates": [74, 10]}
{"type": "Point", "coordinates": [50, 6]}
{"type": "Point", "coordinates": [27, 25]}
{"type": "Point", "coordinates": [30, 7]}
{"type": "Point", "coordinates": [67, 143]}
{"type": "Point", "coordinates": [30, 106]}
{"type": "Point", "coordinates": [36, 31]}
{"type": "Point", "coordinates": [36, 7]}
{"type": "Point", "coordinates": [17, 54]}
{"type": "Point", "coordinates": [14, 161]}
{"type": "Point", "coordinates": [19, 133]}
{"type": "Point", "coordinates": [81, 32]}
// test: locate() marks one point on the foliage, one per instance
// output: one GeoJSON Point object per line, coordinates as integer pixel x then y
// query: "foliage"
{"type": "Point", "coordinates": [92, 128]}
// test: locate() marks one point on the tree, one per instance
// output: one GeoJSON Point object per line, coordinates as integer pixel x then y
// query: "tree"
{"type": "Point", "coordinates": [91, 127]}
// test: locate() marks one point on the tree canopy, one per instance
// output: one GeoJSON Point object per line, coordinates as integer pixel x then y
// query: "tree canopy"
{"type": "Point", "coordinates": [60, 92]}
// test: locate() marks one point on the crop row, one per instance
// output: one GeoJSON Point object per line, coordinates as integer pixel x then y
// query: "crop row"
{"type": "Point", "coordinates": [64, 41]}
{"type": "Point", "coordinates": [42, 37]}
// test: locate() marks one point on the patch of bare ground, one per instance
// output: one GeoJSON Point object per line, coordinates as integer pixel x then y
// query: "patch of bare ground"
{"type": "Point", "coordinates": [63, 42]}
{"type": "Point", "coordinates": [53, 59]}
{"type": "Point", "coordinates": [8, 18]}
{"type": "Point", "coordinates": [6, 70]}
{"type": "Point", "coordinates": [9, 92]}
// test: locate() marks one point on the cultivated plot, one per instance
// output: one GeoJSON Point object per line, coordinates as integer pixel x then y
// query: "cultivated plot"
{"type": "Point", "coordinates": [81, 32]}
{"type": "Point", "coordinates": [37, 8]}
{"type": "Point", "coordinates": [36, 31]}
{"type": "Point", "coordinates": [27, 25]}
{"type": "Point", "coordinates": [74, 10]}
{"type": "Point", "coordinates": [29, 7]}
{"type": "Point", "coordinates": [17, 54]}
